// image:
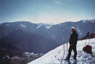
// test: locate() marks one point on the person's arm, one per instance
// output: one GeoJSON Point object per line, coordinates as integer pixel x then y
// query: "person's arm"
{"type": "Point", "coordinates": [70, 40]}
{"type": "Point", "coordinates": [76, 38]}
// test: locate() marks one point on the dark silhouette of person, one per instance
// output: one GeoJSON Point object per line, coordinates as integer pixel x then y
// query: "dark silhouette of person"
{"type": "Point", "coordinates": [73, 43]}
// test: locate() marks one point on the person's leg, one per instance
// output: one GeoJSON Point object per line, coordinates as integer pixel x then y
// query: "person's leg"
{"type": "Point", "coordinates": [75, 52]}
{"type": "Point", "coordinates": [69, 54]}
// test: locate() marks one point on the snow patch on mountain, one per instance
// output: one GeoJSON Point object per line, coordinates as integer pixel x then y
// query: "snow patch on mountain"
{"type": "Point", "coordinates": [22, 25]}
{"type": "Point", "coordinates": [58, 55]}
{"type": "Point", "coordinates": [39, 25]}
{"type": "Point", "coordinates": [48, 27]}
{"type": "Point", "coordinates": [80, 33]}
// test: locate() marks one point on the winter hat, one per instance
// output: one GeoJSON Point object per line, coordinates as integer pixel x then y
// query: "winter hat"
{"type": "Point", "coordinates": [73, 28]}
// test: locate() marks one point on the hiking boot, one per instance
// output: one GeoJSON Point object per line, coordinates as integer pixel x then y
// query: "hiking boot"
{"type": "Point", "coordinates": [75, 59]}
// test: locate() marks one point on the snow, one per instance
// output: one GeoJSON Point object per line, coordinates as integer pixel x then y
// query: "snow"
{"type": "Point", "coordinates": [46, 25]}
{"type": "Point", "coordinates": [79, 31]}
{"type": "Point", "coordinates": [39, 25]}
{"type": "Point", "coordinates": [22, 25]}
{"type": "Point", "coordinates": [57, 55]}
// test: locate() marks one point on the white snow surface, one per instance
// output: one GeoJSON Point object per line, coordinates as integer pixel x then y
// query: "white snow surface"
{"type": "Point", "coordinates": [57, 55]}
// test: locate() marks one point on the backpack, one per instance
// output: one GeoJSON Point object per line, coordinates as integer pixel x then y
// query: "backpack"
{"type": "Point", "coordinates": [87, 49]}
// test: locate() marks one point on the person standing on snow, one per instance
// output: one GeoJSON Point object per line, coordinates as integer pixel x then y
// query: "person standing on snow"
{"type": "Point", "coordinates": [73, 43]}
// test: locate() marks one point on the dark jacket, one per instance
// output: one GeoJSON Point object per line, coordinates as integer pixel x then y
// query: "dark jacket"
{"type": "Point", "coordinates": [73, 39]}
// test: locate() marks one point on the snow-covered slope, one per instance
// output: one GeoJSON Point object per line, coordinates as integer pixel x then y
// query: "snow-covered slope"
{"type": "Point", "coordinates": [58, 55]}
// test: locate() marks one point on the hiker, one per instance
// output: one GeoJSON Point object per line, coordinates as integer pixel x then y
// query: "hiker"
{"type": "Point", "coordinates": [73, 43]}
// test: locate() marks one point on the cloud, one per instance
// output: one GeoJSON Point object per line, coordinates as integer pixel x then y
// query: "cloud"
{"type": "Point", "coordinates": [58, 2]}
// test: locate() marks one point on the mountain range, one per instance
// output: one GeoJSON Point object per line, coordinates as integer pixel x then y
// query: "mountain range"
{"type": "Point", "coordinates": [40, 38]}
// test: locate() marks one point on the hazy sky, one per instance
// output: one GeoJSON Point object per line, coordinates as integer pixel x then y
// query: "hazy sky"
{"type": "Point", "coordinates": [47, 11]}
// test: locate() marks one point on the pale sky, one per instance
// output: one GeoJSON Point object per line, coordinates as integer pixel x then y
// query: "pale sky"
{"type": "Point", "coordinates": [46, 11]}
